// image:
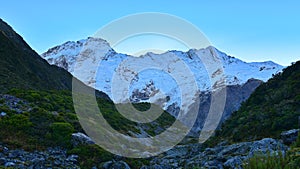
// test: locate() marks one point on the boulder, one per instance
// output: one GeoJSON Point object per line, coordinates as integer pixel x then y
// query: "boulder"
{"type": "Point", "coordinates": [213, 164]}
{"type": "Point", "coordinates": [288, 137]}
{"type": "Point", "coordinates": [116, 165]}
{"type": "Point", "coordinates": [2, 161]}
{"type": "Point", "coordinates": [72, 158]}
{"type": "Point", "coordinates": [267, 146]}
{"type": "Point", "coordinates": [2, 114]}
{"type": "Point", "coordinates": [81, 139]}
{"type": "Point", "coordinates": [120, 165]}
{"type": "Point", "coordinates": [9, 164]}
{"type": "Point", "coordinates": [155, 166]}
{"type": "Point", "coordinates": [107, 164]}
{"type": "Point", "coordinates": [234, 162]}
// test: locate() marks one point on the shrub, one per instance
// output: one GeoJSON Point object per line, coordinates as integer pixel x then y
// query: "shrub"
{"type": "Point", "coordinates": [60, 133]}
{"type": "Point", "coordinates": [91, 155]}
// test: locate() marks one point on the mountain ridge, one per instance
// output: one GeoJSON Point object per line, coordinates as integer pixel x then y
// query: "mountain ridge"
{"type": "Point", "coordinates": [66, 54]}
{"type": "Point", "coordinates": [95, 63]}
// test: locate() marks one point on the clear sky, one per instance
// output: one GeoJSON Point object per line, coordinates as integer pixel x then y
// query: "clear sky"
{"type": "Point", "coordinates": [255, 30]}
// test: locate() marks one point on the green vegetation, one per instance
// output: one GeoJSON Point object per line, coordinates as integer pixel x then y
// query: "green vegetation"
{"type": "Point", "coordinates": [60, 133]}
{"type": "Point", "coordinates": [52, 120]}
{"type": "Point", "coordinates": [272, 108]}
{"type": "Point", "coordinates": [91, 155]}
{"type": "Point", "coordinates": [38, 128]}
{"type": "Point", "coordinates": [16, 126]}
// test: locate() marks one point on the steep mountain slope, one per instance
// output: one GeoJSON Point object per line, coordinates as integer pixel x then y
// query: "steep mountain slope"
{"type": "Point", "coordinates": [21, 67]}
{"type": "Point", "coordinates": [272, 108]}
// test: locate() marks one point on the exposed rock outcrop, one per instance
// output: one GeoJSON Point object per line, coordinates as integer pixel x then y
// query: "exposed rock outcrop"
{"type": "Point", "coordinates": [81, 139]}
{"type": "Point", "coordinates": [235, 95]}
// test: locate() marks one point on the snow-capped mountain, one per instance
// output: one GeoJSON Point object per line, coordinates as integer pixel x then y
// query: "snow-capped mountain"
{"type": "Point", "coordinates": [172, 79]}
{"type": "Point", "coordinates": [71, 54]}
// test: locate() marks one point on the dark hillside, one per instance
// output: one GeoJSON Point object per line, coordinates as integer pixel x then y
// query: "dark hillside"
{"type": "Point", "coordinates": [272, 108]}
{"type": "Point", "coordinates": [21, 67]}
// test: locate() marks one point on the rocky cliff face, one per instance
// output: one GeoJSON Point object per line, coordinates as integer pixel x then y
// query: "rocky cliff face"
{"type": "Point", "coordinates": [236, 94]}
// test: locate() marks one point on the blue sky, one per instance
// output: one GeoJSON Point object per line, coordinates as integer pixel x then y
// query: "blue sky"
{"type": "Point", "coordinates": [252, 31]}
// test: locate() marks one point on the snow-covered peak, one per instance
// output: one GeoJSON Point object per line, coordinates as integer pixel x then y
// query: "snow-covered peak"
{"type": "Point", "coordinates": [68, 48]}
{"type": "Point", "coordinates": [65, 55]}
{"type": "Point", "coordinates": [100, 63]}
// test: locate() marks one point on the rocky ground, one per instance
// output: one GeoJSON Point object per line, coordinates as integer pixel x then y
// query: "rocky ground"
{"type": "Point", "coordinates": [51, 158]}
{"type": "Point", "coordinates": [182, 156]}
{"type": "Point", "coordinates": [13, 103]}
{"type": "Point", "coordinates": [218, 157]}
{"type": "Point", "coordinates": [221, 156]}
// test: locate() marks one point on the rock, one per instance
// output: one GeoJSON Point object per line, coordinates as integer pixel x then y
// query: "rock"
{"type": "Point", "coordinates": [178, 151]}
{"type": "Point", "coordinates": [288, 137]}
{"type": "Point", "coordinates": [155, 166]}
{"type": "Point", "coordinates": [72, 158]}
{"type": "Point", "coordinates": [15, 104]}
{"type": "Point", "coordinates": [9, 164]}
{"type": "Point", "coordinates": [145, 93]}
{"type": "Point", "coordinates": [5, 150]}
{"type": "Point", "coordinates": [236, 149]}
{"type": "Point", "coordinates": [53, 157]}
{"type": "Point", "coordinates": [2, 114]}
{"type": "Point", "coordinates": [57, 162]}
{"type": "Point", "coordinates": [115, 165]}
{"type": "Point", "coordinates": [223, 143]}
{"type": "Point", "coordinates": [120, 165]}
{"type": "Point", "coordinates": [234, 162]}
{"type": "Point", "coordinates": [267, 146]}
{"type": "Point", "coordinates": [38, 161]}
{"type": "Point", "coordinates": [15, 153]}
{"type": "Point", "coordinates": [107, 164]}
{"type": "Point", "coordinates": [213, 164]}
{"type": "Point", "coordinates": [81, 139]}
{"type": "Point", "coordinates": [2, 161]}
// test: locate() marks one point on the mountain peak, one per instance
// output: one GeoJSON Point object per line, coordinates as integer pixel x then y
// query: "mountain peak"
{"type": "Point", "coordinates": [237, 72]}
{"type": "Point", "coordinates": [75, 47]}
